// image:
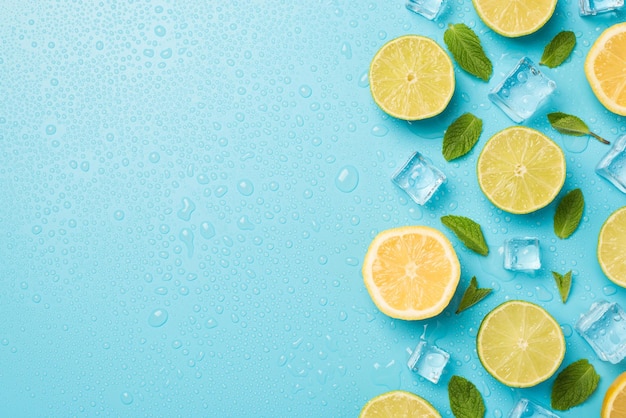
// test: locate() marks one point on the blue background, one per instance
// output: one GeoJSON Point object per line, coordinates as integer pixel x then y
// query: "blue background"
{"type": "Point", "coordinates": [185, 158]}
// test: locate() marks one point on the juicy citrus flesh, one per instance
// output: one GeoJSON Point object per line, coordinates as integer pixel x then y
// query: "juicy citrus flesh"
{"type": "Point", "coordinates": [614, 403]}
{"type": "Point", "coordinates": [521, 170]}
{"type": "Point", "coordinates": [513, 18]}
{"type": "Point", "coordinates": [520, 344]}
{"type": "Point", "coordinates": [412, 78]}
{"type": "Point", "coordinates": [411, 272]}
{"type": "Point", "coordinates": [398, 403]}
{"type": "Point", "coordinates": [612, 246]}
{"type": "Point", "coordinates": [605, 68]}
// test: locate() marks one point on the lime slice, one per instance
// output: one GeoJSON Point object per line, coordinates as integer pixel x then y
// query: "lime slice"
{"type": "Point", "coordinates": [521, 170]}
{"type": "Point", "coordinates": [411, 78]}
{"type": "Point", "coordinates": [513, 18]}
{"type": "Point", "coordinates": [398, 403]}
{"type": "Point", "coordinates": [612, 246]}
{"type": "Point", "coordinates": [520, 344]}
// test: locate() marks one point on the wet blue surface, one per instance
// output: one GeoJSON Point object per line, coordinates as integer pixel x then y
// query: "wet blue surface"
{"type": "Point", "coordinates": [189, 189]}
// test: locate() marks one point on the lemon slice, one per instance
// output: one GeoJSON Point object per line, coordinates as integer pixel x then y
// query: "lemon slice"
{"type": "Point", "coordinates": [411, 272]}
{"type": "Point", "coordinates": [398, 403]}
{"type": "Point", "coordinates": [521, 170]}
{"type": "Point", "coordinates": [513, 18]}
{"type": "Point", "coordinates": [604, 68]}
{"type": "Point", "coordinates": [520, 344]}
{"type": "Point", "coordinates": [614, 404]}
{"type": "Point", "coordinates": [612, 246]}
{"type": "Point", "coordinates": [411, 78]}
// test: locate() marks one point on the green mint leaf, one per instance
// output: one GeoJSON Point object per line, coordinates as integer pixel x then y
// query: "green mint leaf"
{"type": "Point", "coordinates": [467, 51]}
{"type": "Point", "coordinates": [571, 125]}
{"type": "Point", "coordinates": [569, 213]}
{"type": "Point", "coordinates": [574, 385]}
{"type": "Point", "coordinates": [559, 48]}
{"type": "Point", "coordinates": [465, 400]}
{"type": "Point", "coordinates": [563, 283]}
{"type": "Point", "coordinates": [468, 232]}
{"type": "Point", "coordinates": [461, 136]}
{"type": "Point", "coordinates": [473, 294]}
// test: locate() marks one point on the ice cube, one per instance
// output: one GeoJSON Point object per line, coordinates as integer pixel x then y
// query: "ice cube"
{"type": "Point", "coordinates": [419, 178]}
{"type": "Point", "coordinates": [594, 7]}
{"type": "Point", "coordinates": [522, 254]}
{"type": "Point", "coordinates": [428, 361]}
{"type": "Point", "coordinates": [430, 9]}
{"type": "Point", "coordinates": [613, 166]}
{"type": "Point", "coordinates": [604, 328]}
{"type": "Point", "coordinates": [528, 409]}
{"type": "Point", "coordinates": [523, 91]}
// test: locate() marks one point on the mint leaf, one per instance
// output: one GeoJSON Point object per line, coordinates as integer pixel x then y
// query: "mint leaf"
{"type": "Point", "coordinates": [563, 283]}
{"type": "Point", "coordinates": [472, 295]}
{"type": "Point", "coordinates": [467, 51]}
{"type": "Point", "coordinates": [465, 399]}
{"type": "Point", "coordinates": [568, 213]}
{"type": "Point", "coordinates": [461, 136]}
{"type": "Point", "coordinates": [559, 48]}
{"type": "Point", "coordinates": [571, 125]}
{"type": "Point", "coordinates": [574, 385]}
{"type": "Point", "coordinates": [468, 232]}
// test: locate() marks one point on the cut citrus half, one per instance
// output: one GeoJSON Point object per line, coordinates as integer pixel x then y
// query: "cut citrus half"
{"type": "Point", "coordinates": [612, 246]}
{"type": "Point", "coordinates": [614, 404]}
{"type": "Point", "coordinates": [411, 78]}
{"type": "Point", "coordinates": [411, 272]}
{"type": "Point", "coordinates": [520, 344]}
{"type": "Point", "coordinates": [520, 170]}
{"type": "Point", "coordinates": [604, 68]}
{"type": "Point", "coordinates": [398, 403]}
{"type": "Point", "coordinates": [515, 18]}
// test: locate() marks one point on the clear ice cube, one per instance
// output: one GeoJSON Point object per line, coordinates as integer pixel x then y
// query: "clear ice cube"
{"type": "Point", "coordinates": [419, 178]}
{"type": "Point", "coordinates": [613, 166]}
{"type": "Point", "coordinates": [430, 9]}
{"type": "Point", "coordinates": [428, 361]}
{"type": "Point", "coordinates": [522, 254]}
{"type": "Point", "coordinates": [594, 7]}
{"type": "Point", "coordinates": [523, 91]}
{"type": "Point", "coordinates": [604, 328]}
{"type": "Point", "coordinates": [528, 409]}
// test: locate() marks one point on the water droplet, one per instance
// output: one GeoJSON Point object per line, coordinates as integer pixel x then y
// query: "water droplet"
{"type": "Point", "coordinates": [154, 157]}
{"type": "Point", "coordinates": [166, 54]}
{"type": "Point", "coordinates": [347, 179]}
{"type": "Point", "coordinates": [346, 50]}
{"type": "Point", "coordinates": [118, 215]}
{"type": "Point", "coordinates": [188, 207]}
{"type": "Point", "coordinates": [51, 129]}
{"type": "Point", "coordinates": [186, 236]}
{"type": "Point", "coordinates": [36, 298]}
{"type": "Point", "coordinates": [245, 187]}
{"type": "Point", "coordinates": [159, 31]}
{"type": "Point", "coordinates": [207, 230]}
{"type": "Point", "coordinates": [364, 80]}
{"type": "Point", "coordinates": [157, 318]}
{"type": "Point", "coordinates": [305, 91]}
{"type": "Point", "coordinates": [126, 398]}
{"type": "Point", "coordinates": [379, 130]}
{"type": "Point", "coordinates": [244, 223]}
{"type": "Point", "coordinates": [210, 323]}
{"type": "Point", "coordinates": [37, 229]}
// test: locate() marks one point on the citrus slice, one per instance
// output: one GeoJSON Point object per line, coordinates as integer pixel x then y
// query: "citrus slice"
{"type": "Point", "coordinates": [411, 272]}
{"type": "Point", "coordinates": [398, 403]}
{"type": "Point", "coordinates": [515, 18]}
{"type": "Point", "coordinates": [614, 404]}
{"type": "Point", "coordinates": [612, 246]}
{"type": "Point", "coordinates": [411, 78]}
{"type": "Point", "coordinates": [520, 344]}
{"type": "Point", "coordinates": [604, 68]}
{"type": "Point", "coordinates": [521, 170]}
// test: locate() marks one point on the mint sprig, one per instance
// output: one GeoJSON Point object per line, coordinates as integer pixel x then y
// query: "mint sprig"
{"type": "Point", "coordinates": [559, 49]}
{"type": "Point", "coordinates": [473, 294]}
{"type": "Point", "coordinates": [468, 232]}
{"type": "Point", "coordinates": [572, 125]}
{"type": "Point", "coordinates": [569, 213]}
{"type": "Point", "coordinates": [467, 50]}
{"type": "Point", "coordinates": [461, 136]}
{"type": "Point", "coordinates": [563, 283]}
{"type": "Point", "coordinates": [574, 385]}
{"type": "Point", "coordinates": [465, 399]}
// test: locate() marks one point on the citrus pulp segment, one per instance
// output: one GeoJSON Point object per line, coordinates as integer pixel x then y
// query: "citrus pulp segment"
{"type": "Point", "coordinates": [614, 403]}
{"type": "Point", "coordinates": [612, 247]}
{"type": "Point", "coordinates": [398, 403]}
{"type": "Point", "coordinates": [604, 68]}
{"type": "Point", "coordinates": [520, 170]}
{"type": "Point", "coordinates": [520, 344]}
{"type": "Point", "coordinates": [515, 18]}
{"type": "Point", "coordinates": [411, 78]}
{"type": "Point", "coordinates": [411, 272]}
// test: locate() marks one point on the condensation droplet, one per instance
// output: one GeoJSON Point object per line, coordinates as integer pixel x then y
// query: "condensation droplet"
{"type": "Point", "coordinates": [157, 318]}
{"type": "Point", "coordinates": [347, 179]}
